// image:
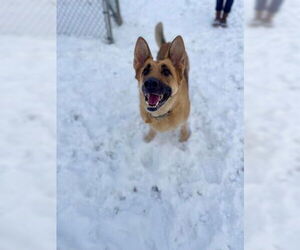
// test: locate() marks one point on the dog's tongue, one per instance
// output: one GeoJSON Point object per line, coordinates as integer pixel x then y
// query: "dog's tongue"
{"type": "Point", "coordinates": [153, 99]}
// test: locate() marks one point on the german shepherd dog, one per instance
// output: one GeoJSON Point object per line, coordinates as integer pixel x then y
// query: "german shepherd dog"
{"type": "Point", "coordinates": [163, 85]}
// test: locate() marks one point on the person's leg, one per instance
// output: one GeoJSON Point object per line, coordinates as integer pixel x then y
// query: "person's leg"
{"type": "Point", "coordinates": [219, 8]}
{"type": "Point", "coordinates": [275, 6]}
{"type": "Point", "coordinates": [227, 9]}
{"type": "Point", "coordinates": [228, 5]}
{"type": "Point", "coordinates": [260, 6]}
{"type": "Point", "coordinates": [271, 10]}
{"type": "Point", "coordinates": [219, 5]}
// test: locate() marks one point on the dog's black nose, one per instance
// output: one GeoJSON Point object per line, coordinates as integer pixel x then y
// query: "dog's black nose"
{"type": "Point", "coordinates": [151, 84]}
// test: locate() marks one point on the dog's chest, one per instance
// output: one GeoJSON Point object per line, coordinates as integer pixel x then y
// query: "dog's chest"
{"type": "Point", "coordinates": [165, 122]}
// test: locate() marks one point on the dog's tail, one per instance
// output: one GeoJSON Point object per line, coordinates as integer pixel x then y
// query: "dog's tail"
{"type": "Point", "coordinates": [159, 34]}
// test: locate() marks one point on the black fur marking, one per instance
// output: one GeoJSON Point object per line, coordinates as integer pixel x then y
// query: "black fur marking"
{"type": "Point", "coordinates": [147, 70]}
{"type": "Point", "coordinates": [165, 71]}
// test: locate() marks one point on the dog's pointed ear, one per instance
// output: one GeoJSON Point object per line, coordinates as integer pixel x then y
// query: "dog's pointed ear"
{"type": "Point", "coordinates": [177, 52]}
{"type": "Point", "coordinates": [141, 53]}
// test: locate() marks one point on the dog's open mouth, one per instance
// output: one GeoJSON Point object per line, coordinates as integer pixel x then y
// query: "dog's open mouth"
{"type": "Point", "coordinates": [155, 101]}
{"type": "Point", "coordinates": [156, 93]}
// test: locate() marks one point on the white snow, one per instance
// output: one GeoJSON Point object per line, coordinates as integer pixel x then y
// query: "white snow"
{"type": "Point", "coordinates": [27, 143]}
{"type": "Point", "coordinates": [27, 125]}
{"type": "Point", "coordinates": [117, 192]}
{"type": "Point", "coordinates": [272, 148]}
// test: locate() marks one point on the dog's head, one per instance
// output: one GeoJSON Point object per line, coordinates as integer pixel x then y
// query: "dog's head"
{"type": "Point", "coordinates": [159, 81]}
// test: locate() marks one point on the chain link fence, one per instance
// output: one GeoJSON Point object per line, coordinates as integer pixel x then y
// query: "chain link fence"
{"type": "Point", "coordinates": [28, 17]}
{"type": "Point", "coordinates": [87, 18]}
{"type": "Point", "coordinates": [47, 18]}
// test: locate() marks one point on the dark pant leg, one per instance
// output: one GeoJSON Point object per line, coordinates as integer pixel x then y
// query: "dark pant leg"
{"type": "Point", "coordinates": [274, 6]}
{"type": "Point", "coordinates": [260, 5]}
{"type": "Point", "coordinates": [228, 6]}
{"type": "Point", "coordinates": [219, 5]}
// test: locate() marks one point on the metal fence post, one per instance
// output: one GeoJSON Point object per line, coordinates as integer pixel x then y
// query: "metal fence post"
{"type": "Point", "coordinates": [109, 36]}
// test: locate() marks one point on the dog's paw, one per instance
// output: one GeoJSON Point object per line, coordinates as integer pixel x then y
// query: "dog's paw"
{"type": "Point", "coordinates": [184, 138]}
{"type": "Point", "coordinates": [150, 136]}
{"type": "Point", "coordinates": [185, 134]}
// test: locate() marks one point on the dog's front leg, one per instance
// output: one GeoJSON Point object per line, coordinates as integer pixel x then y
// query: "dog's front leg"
{"type": "Point", "coordinates": [185, 132]}
{"type": "Point", "coordinates": [150, 135]}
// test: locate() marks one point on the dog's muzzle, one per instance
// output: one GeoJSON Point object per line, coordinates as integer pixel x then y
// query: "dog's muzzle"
{"type": "Point", "coordinates": [156, 93]}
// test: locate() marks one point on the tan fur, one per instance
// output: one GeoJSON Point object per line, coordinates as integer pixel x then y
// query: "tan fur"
{"type": "Point", "coordinates": [175, 112]}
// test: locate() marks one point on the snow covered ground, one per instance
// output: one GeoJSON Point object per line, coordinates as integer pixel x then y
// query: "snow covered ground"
{"type": "Point", "coordinates": [272, 134]}
{"type": "Point", "coordinates": [27, 143]}
{"type": "Point", "coordinates": [117, 192]}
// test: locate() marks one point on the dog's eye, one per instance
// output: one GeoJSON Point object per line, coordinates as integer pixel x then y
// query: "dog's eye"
{"type": "Point", "coordinates": [166, 72]}
{"type": "Point", "coordinates": [146, 70]}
